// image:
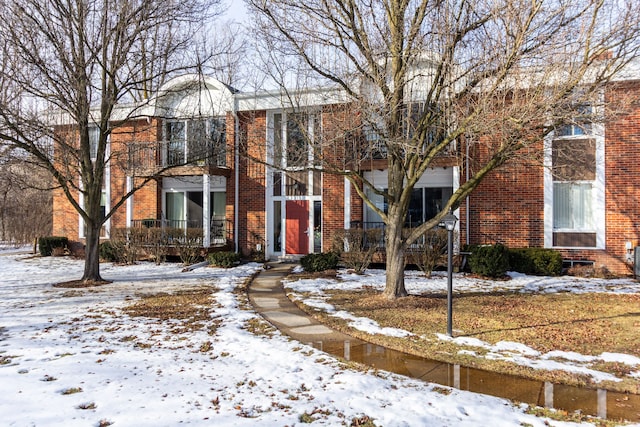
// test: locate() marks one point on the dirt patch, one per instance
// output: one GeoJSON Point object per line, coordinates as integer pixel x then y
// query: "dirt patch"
{"type": "Point", "coordinates": [76, 284]}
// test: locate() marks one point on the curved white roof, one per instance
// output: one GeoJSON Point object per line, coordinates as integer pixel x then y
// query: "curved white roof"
{"type": "Point", "coordinates": [193, 95]}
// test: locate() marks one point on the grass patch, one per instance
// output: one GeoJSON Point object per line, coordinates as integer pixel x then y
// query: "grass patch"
{"type": "Point", "coordinates": [72, 390]}
{"type": "Point", "coordinates": [191, 306]}
{"type": "Point", "coordinates": [90, 405]}
{"type": "Point", "coordinates": [260, 327]}
{"type": "Point", "coordinates": [589, 324]}
{"type": "Point", "coordinates": [575, 417]}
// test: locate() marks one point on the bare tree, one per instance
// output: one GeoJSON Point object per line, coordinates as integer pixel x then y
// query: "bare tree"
{"type": "Point", "coordinates": [72, 63]}
{"type": "Point", "coordinates": [429, 77]}
{"type": "Point", "coordinates": [25, 200]}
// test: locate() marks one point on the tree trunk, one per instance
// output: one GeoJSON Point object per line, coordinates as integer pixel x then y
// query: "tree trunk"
{"type": "Point", "coordinates": [394, 247]}
{"type": "Point", "coordinates": [92, 254]}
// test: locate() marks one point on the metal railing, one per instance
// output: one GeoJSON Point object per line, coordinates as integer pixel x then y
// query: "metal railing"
{"type": "Point", "coordinates": [220, 229]}
{"type": "Point", "coordinates": [161, 154]}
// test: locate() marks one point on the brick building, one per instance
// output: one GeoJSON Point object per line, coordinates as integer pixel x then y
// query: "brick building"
{"type": "Point", "coordinates": [586, 207]}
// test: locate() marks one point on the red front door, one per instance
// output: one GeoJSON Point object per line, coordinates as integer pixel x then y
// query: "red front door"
{"type": "Point", "coordinates": [297, 237]}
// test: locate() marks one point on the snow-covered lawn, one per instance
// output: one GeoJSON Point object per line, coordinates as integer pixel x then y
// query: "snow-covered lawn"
{"type": "Point", "coordinates": [71, 357]}
{"type": "Point", "coordinates": [416, 284]}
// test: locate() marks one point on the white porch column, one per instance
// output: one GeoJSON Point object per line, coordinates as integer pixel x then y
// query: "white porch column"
{"type": "Point", "coordinates": [206, 210]}
{"type": "Point", "coordinates": [129, 202]}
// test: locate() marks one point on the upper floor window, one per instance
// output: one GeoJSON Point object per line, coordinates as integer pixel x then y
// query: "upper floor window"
{"type": "Point", "coordinates": [94, 139]}
{"type": "Point", "coordinates": [294, 139]}
{"type": "Point", "coordinates": [579, 125]}
{"type": "Point", "coordinates": [201, 141]}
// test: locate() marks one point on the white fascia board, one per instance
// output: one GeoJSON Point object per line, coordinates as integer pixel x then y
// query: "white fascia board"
{"type": "Point", "coordinates": [277, 100]}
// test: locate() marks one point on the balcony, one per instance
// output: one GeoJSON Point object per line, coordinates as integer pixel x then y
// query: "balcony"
{"type": "Point", "coordinates": [195, 157]}
{"type": "Point", "coordinates": [179, 232]}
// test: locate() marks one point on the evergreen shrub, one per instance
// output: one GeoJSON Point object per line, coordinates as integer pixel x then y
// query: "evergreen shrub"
{"type": "Point", "coordinates": [536, 261]}
{"type": "Point", "coordinates": [320, 262]}
{"type": "Point", "coordinates": [489, 260]}
{"type": "Point", "coordinates": [48, 244]}
{"type": "Point", "coordinates": [224, 259]}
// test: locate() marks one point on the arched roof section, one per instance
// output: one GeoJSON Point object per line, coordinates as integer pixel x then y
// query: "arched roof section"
{"type": "Point", "coordinates": [192, 96]}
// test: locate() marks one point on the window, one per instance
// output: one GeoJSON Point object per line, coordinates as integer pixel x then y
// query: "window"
{"type": "Point", "coordinates": [175, 136]}
{"type": "Point", "coordinates": [574, 173]}
{"type": "Point", "coordinates": [572, 206]}
{"type": "Point", "coordinates": [202, 141]}
{"type": "Point", "coordinates": [581, 124]}
{"type": "Point", "coordinates": [94, 139]}
{"type": "Point", "coordinates": [184, 209]}
{"type": "Point", "coordinates": [426, 202]}
{"type": "Point", "coordinates": [294, 136]}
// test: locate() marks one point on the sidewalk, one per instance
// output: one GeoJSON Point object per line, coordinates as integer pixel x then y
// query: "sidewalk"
{"type": "Point", "coordinates": [269, 300]}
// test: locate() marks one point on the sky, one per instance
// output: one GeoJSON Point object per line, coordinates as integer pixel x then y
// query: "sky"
{"type": "Point", "coordinates": [73, 357]}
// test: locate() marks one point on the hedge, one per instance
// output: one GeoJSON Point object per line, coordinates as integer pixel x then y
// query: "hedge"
{"type": "Point", "coordinates": [224, 259]}
{"type": "Point", "coordinates": [495, 260]}
{"type": "Point", "coordinates": [320, 262]}
{"type": "Point", "coordinates": [536, 261]}
{"type": "Point", "coordinates": [48, 244]}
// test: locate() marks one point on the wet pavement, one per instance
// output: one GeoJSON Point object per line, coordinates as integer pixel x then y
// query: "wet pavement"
{"type": "Point", "coordinates": [267, 296]}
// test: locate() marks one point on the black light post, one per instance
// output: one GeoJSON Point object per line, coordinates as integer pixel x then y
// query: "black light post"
{"type": "Point", "coordinates": [450, 224]}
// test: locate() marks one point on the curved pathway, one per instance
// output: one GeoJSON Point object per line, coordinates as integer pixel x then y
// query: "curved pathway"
{"type": "Point", "coordinates": [266, 293]}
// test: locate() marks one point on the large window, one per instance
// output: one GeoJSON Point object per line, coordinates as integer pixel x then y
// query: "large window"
{"type": "Point", "coordinates": [94, 138]}
{"type": "Point", "coordinates": [426, 203]}
{"type": "Point", "coordinates": [295, 134]}
{"type": "Point", "coordinates": [184, 209]}
{"type": "Point", "coordinates": [574, 176]}
{"type": "Point", "coordinates": [201, 141]}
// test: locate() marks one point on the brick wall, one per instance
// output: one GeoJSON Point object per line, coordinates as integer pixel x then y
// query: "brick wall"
{"type": "Point", "coordinates": [251, 195]}
{"type": "Point", "coordinates": [622, 179]}
{"type": "Point", "coordinates": [65, 217]}
{"type": "Point", "coordinates": [146, 201]}
{"type": "Point", "coordinates": [508, 206]}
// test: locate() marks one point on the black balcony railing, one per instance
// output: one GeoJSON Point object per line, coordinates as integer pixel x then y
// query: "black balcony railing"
{"type": "Point", "coordinates": [152, 155]}
{"type": "Point", "coordinates": [221, 231]}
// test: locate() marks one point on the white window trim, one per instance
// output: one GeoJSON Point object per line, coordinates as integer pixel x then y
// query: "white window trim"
{"type": "Point", "coordinates": [106, 190]}
{"type": "Point", "coordinates": [598, 191]}
{"type": "Point", "coordinates": [269, 197]}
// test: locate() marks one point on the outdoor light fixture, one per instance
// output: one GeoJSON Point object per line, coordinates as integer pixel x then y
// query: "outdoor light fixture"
{"type": "Point", "coordinates": [449, 222]}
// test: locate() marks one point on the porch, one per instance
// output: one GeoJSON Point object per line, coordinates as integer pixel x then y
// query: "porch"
{"type": "Point", "coordinates": [373, 239]}
{"type": "Point", "coordinates": [177, 233]}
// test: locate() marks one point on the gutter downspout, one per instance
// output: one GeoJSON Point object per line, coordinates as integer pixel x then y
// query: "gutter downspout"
{"type": "Point", "coordinates": [236, 151]}
{"type": "Point", "coordinates": [467, 215]}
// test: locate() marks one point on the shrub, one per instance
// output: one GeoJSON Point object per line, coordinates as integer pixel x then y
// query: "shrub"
{"type": "Point", "coordinates": [224, 259]}
{"type": "Point", "coordinates": [108, 252]}
{"type": "Point", "coordinates": [357, 247]}
{"type": "Point", "coordinates": [189, 245]}
{"type": "Point", "coordinates": [490, 260]}
{"type": "Point", "coordinates": [125, 244]}
{"type": "Point", "coordinates": [156, 244]}
{"type": "Point", "coordinates": [47, 244]}
{"type": "Point", "coordinates": [536, 261]}
{"type": "Point", "coordinates": [427, 253]}
{"type": "Point", "coordinates": [320, 262]}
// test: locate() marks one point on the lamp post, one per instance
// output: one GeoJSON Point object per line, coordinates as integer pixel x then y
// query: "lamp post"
{"type": "Point", "coordinates": [450, 224]}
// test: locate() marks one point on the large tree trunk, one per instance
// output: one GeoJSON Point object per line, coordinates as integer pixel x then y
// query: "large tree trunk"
{"type": "Point", "coordinates": [398, 204]}
{"type": "Point", "coordinates": [395, 256]}
{"type": "Point", "coordinates": [92, 254]}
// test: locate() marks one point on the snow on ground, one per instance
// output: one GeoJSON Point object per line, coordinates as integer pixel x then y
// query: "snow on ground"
{"type": "Point", "coordinates": [416, 284]}
{"type": "Point", "coordinates": [72, 357]}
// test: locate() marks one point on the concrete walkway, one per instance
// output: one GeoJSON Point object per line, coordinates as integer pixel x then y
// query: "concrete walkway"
{"type": "Point", "coordinates": [266, 293]}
